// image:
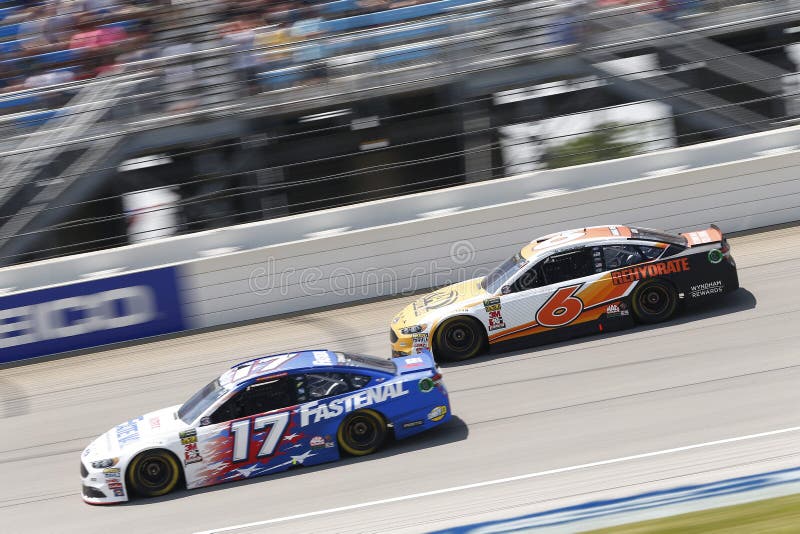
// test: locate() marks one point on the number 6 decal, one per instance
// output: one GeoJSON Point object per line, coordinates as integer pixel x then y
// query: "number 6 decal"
{"type": "Point", "coordinates": [561, 309]}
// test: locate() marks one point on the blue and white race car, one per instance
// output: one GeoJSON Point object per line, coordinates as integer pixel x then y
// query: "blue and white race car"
{"type": "Point", "coordinates": [264, 416]}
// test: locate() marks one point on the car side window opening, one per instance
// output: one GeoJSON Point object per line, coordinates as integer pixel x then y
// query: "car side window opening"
{"type": "Point", "coordinates": [257, 398]}
{"type": "Point", "coordinates": [318, 386]}
{"type": "Point", "coordinates": [672, 250]}
{"type": "Point", "coordinates": [651, 253]}
{"type": "Point", "coordinates": [568, 265]}
{"type": "Point", "coordinates": [530, 279]}
{"type": "Point", "coordinates": [618, 256]}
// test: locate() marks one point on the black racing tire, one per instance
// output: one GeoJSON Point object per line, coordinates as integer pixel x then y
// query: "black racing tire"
{"type": "Point", "coordinates": [362, 432]}
{"type": "Point", "coordinates": [153, 473]}
{"type": "Point", "coordinates": [654, 301]}
{"type": "Point", "coordinates": [458, 339]}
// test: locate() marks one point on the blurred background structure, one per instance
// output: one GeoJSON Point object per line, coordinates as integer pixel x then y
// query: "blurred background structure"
{"type": "Point", "coordinates": [129, 120]}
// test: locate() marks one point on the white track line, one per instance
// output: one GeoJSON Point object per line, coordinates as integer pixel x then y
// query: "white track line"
{"type": "Point", "coordinates": [497, 481]}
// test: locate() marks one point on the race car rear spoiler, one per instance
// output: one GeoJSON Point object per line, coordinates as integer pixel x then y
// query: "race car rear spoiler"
{"type": "Point", "coordinates": [415, 363]}
{"type": "Point", "coordinates": [703, 237]}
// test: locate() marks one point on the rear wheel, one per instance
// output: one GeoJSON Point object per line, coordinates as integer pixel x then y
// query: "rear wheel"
{"type": "Point", "coordinates": [459, 338]}
{"type": "Point", "coordinates": [362, 432]}
{"type": "Point", "coordinates": [153, 473]}
{"type": "Point", "coordinates": [654, 301]}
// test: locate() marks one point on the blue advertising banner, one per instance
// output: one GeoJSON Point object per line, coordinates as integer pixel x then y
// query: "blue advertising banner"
{"type": "Point", "coordinates": [89, 314]}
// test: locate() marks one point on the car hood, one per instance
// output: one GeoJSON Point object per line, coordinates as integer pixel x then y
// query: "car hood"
{"type": "Point", "coordinates": [151, 428]}
{"type": "Point", "coordinates": [431, 305]}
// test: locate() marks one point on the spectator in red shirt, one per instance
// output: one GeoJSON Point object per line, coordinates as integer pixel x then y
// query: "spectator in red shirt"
{"type": "Point", "coordinates": [92, 36]}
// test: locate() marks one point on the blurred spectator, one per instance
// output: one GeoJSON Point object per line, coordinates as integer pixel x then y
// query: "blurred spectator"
{"type": "Point", "coordinates": [92, 36]}
{"type": "Point", "coordinates": [40, 78]}
{"type": "Point", "coordinates": [307, 29]}
{"type": "Point", "coordinates": [240, 35]}
{"type": "Point", "coordinates": [273, 42]}
{"type": "Point", "coordinates": [372, 6]}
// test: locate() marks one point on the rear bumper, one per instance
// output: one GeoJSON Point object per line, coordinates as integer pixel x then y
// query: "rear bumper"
{"type": "Point", "coordinates": [419, 421]}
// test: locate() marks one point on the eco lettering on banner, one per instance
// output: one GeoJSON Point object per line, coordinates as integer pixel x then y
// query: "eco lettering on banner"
{"type": "Point", "coordinates": [89, 313]}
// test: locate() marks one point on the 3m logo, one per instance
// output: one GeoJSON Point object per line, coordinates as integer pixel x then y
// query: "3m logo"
{"type": "Point", "coordinates": [642, 272]}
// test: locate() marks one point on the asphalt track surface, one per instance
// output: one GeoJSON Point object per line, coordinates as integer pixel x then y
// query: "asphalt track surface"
{"type": "Point", "coordinates": [533, 430]}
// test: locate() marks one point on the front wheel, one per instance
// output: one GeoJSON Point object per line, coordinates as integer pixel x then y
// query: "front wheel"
{"type": "Point", "coordinates": [459, 338]}
{"type": "Point", "coordinates": [153, 473]}
{"type": "Point", "coordinates": [654, 301]}
{"type": "Point", "coordinates": [362, 432]}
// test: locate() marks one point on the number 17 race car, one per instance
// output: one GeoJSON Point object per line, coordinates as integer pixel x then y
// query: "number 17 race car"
{"type": "Point", "coordinates": [264, 416]}
{"type": "Point", "coordinates": [567, 284]}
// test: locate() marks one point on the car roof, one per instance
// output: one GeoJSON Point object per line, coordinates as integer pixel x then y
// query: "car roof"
{"type": "Point", "coordinates": [574, 237]}
{"type": "Point", "coordinates": [285, 362]}
{"type": "Point", "coordinates": [598, 234]}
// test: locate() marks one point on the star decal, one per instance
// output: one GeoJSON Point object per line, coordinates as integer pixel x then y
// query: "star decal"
{"type": "Point", "coordinates": [294, 460]}
{"type": "Point", "coordinates": [292, 437]}
{"type": "Point", "coordinates": [247, 471]}
{"type": "Point", "coordinates": [302, 458]}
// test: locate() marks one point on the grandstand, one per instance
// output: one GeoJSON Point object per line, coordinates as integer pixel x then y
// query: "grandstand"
{"type": "Point", "coordinates": [235, 111]}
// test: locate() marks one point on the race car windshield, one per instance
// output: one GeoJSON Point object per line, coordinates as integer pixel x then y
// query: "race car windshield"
{"type": "Point", "coordinates": [370, 362]}
{"type": "Point", "coordinates": [649, 234]}
{"type": "Point", "coordinates": [200, 401]}
{"type": "Point", "coordinates": [495, 279]}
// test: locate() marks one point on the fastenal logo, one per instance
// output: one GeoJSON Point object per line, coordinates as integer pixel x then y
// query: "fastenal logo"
{"type": "Point", "coordinates": [74, 316]}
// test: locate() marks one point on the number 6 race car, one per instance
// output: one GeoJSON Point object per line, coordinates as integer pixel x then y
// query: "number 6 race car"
{"type": "Point", "coordinates": [567, 284]}
{"type": "Point", "coordinates": [264, 416]}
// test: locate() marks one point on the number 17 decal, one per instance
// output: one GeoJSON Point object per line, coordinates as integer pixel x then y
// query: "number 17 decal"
{"type": "Point", "coordinates": [560, 309]}
{"type": "Point", "coordinates": [241, 435]}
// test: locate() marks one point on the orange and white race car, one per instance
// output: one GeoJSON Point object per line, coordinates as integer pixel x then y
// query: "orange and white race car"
{"type": "Point", "coordinates": [566, 284]}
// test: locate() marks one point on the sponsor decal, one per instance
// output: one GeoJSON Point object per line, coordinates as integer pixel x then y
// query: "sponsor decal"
{"type": "Point", "coordinates": [112, 482]}
{"type": "Point", "coordinates": [438, 413]}
{"type": "Point", "coordinates": [188, 436]}
{"type": "Point", "coordinates": [707, 288]}
{"type": "Point", "coordinates": [86, 452]}
{"type": "Point", "coordinates": [115, 485]}
{"type": "Point", "coordinates": [496, 320]}
{"type": "Point", "coordinates": [88, 314]}
{"type": "Point", "coordinates": [322, 358]}
{"type": "Point", "coordinates": [111, 472]}
{"type": "Point", "coordinates": [191, 454]}
{"type": "Point", "coordinates": [715, 256]}
{"type": "Point", "coordinates": [155, 423]}
{"type": "Point", "coordinates": [419, 342]}
{"type": "Point", "coordinates": [412, 424]}
{"type": "Point", "coordinates": [314, 412]}
{"type": "Point", "coordinates": [492, 304]}
{"type": "Point", "coordinates": [318, 442]}
{"type": "Point", "coordinates": [433, 301]}
{"type": "Point", "coordinates": [119, 493]}
{"type": "Point", "coordinates": [617, 309]}
{"type": "Point", "coordinates": [426, 385]}
{"type": "Point", "coordinates": [415, 361]}
{"type": "Point", "coordinates": [128, 431]}
{"type": "Point", "coordinates": [652, 270]}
